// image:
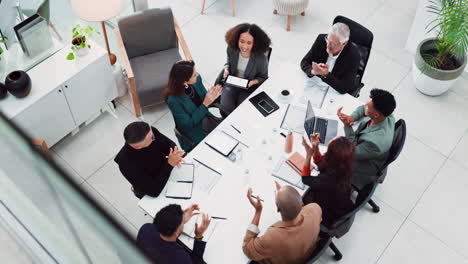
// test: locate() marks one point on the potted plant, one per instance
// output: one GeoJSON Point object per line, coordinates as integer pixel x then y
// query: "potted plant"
{"type": "Point", "coordinates": [2, 40]}
{"type": "Point", "coordinates": [79, 45]}
{"type": "Point", "coordinates": [441, 60]}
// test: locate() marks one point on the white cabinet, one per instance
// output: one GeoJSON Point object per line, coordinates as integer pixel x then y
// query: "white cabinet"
{"type": "Point", "coordinates": [90, 90]}
{"type": "Point", "coordinates": [64, 95]}
{"type": "Point", "coordinates": [48, 119]}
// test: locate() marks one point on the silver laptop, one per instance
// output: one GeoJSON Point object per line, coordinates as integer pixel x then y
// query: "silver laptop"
{"type": "Point", "coordinates": [328, 128]}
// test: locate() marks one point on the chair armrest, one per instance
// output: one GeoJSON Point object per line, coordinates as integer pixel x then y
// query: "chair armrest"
{"type": "Point", "coordinates": [123, 52]}
{"type": "Point", "coordinates": [183, 44]}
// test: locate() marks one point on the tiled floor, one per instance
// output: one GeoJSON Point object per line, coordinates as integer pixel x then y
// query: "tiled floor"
{"type": "Point", "coordinates": [423, 200]}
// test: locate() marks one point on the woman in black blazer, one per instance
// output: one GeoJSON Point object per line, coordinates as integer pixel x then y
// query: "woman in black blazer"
{"type": "Point", "coordinates": [246, 58]}
{"type": "Point", "coordinates": [331, 189]}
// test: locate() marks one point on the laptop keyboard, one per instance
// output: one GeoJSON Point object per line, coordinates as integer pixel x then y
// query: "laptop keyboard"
{"type": "Point", "coordinates": [321, 127]}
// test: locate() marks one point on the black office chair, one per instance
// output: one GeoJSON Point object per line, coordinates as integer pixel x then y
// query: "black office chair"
{"type": "Point", "coordinates": [362, 38]}
{"type": "Point", "coordinates": [397, 145]}
{"type": "Point", "coordinates": [342, 225]}
{"type": "Point", "coordinates": [183, 138]}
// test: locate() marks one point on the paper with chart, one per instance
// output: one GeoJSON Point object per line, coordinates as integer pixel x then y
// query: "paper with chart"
{"type": "Point", "coordinates": [315, 91]}
{"type": "Point", "coordinates": [206, 177]}
{"type": "Point", "coordinates": [284, 172]}
{"type": "Point", "coordinates": [294, 118]}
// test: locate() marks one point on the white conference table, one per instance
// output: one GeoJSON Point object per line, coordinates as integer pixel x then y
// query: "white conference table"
{"type": "Point", "coordinates": [228, 196]}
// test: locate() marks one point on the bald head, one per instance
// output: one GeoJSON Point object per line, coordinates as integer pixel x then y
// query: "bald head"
{"type": "Point", "coordinates": [289, 202]}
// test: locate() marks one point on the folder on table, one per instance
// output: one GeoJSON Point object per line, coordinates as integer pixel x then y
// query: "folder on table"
{"type": "Point", "coordinates": [297, 162]}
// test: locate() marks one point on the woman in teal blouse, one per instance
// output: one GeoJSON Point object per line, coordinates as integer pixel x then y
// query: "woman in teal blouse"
{"type": "Point", "coordinates": [188, 101]}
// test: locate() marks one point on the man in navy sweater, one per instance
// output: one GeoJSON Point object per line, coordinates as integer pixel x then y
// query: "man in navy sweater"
{"type": "Point", "coordinates": [159, 239]}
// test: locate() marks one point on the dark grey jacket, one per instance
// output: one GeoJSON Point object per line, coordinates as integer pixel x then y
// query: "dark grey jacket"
{"type": "Point", "coordinates": [257, 68]}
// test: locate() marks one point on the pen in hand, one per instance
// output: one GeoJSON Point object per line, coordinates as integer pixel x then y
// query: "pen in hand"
{"type": "Point", "coordinates": [253, 196]}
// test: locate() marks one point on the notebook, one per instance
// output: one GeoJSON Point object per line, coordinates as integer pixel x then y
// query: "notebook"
{"type": "Point", "coordinates": [221, 142]}
{"type": "Point", "coordinates": [180, 183]}
{"type": "Point", "coordinates": [297, 161]}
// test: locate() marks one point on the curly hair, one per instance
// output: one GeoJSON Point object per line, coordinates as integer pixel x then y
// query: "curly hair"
{"type": "Point", "coordinates": [181, 72]}
{"type": "Point", "coordinates": [383, 101]}
{"type": "Point", "coordinates": [261, 40]}
{"type": "Point", "coordinates": [339, 160]}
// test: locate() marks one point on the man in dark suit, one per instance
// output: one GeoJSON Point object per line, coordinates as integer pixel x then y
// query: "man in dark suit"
{"type": "Point", "coordinates": [334, 59]}
{"type": "Point", "coordinates": [147, 158]}
{"type": "Point", "coordinates": [159, 239]}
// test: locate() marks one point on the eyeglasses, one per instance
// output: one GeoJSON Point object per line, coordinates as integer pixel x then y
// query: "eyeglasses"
{"type": "Point", "coordinates": [333, 44]}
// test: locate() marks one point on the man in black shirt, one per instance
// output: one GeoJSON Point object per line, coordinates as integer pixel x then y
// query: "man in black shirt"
{"type": "Point", "coordinates": [147, 158]}
{"type": "Point", "coordinates": [159, 239]}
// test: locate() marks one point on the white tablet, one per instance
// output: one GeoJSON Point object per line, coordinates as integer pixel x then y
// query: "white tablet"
{"type": "Point", "coordinates": [236, 81]}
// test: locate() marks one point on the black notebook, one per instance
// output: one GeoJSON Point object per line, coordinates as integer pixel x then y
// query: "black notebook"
{"type": "Point", "coordinates": [264, 103]}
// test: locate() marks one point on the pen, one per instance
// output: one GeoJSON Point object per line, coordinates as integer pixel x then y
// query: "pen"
{"type": "Point", "coordinates": [220, 218]}
{"type": "Point", "coordinates": [185, 181]}
{"type": "Point", "coordinates": [236, 129]}
{"type": "Point", "coordinates": [253, 196]}
{"type": "Point", "coordinates": [206, 166]}
{"type": "Point", "coordinates": [282, 134]}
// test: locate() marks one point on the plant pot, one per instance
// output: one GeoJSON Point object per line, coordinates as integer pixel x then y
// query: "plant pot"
{"type": "Point", "coordinates": [80, 52]}
{"type": "Point", "coordinates": [18, 83]}
{"type": "Point", "coordinates": [432, 81]}
{"type": "Point", "coordinates": [3, 91]}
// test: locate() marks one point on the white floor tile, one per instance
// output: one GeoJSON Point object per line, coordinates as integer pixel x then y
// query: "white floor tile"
{"type": "Point", "coordinates": [390, 37]}
{"type": "Point", "coordinates": [442, 209]}
{"type": "Point", "coordinates": [460, 154]}
{"type": "Point", "coordinates": [368, 237]}
{"type": "Point", "coordinates": [381, 73]}
{"type": "Point", "coordinates": [358, 11]}
{"type": "Point", "coordinates": [407, 177]}
{"type": "Point", "coordinates": [132, 230]}
{"type": "Point", "coordinates": [96, 143]}
{"type": "Point", "coordinates": [112, 186]}
{"type": "Point", "coordinates": [413, 245]}
{"type": "Point", "coordinates": [461, 87]}
{"type": "Point", "coordinates": [66, 167]}
{"type": "Point", "coordinates": [425, 114]}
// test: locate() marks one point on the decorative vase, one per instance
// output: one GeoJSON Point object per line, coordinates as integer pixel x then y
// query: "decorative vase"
{"type": "Point", "coordinates": [18, 83]}
{"type": "Point", "coordinates": [432, 81]}
{"type": "Point", "coordinates": [3, 90]}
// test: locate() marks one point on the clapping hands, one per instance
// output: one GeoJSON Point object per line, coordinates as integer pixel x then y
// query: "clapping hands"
{"type": "Point", "coordinates": [175, 156]}
{"type": "Point", "coordinates": [319, 69]}
{"type": "Point", "coordinates": [346, 119]}
{"type": "Point", "coordinates": [212, 94]}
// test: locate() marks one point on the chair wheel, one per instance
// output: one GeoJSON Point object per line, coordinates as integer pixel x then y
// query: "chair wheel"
{"type": "Point", "coordinates": [376, 209]}
{"type": "Point", "coordinates": [338, 257]}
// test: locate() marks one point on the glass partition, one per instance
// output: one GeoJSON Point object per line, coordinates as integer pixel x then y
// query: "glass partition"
{"type": "Point", "coordinates": [47, 214]}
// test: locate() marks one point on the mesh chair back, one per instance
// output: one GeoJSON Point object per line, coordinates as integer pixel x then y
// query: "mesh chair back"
{"type": "Point", "coordinates": [268, 53]}
{"type": "Point", "coordinates": [399, 138]}
{"type": "Point", "coordinates": [344, 223]}
{"type": "Point", "coordinates": [155, 32]}
{"type": "Point", "coordinates": [320, 247]}
{"type": "Point", "coordinates": [362, 38]}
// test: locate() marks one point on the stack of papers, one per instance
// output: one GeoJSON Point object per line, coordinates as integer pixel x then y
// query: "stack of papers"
{"type": "Point", "coordinates": [284, 172]}
{"type": "Point", "coordinates": [180, 183]}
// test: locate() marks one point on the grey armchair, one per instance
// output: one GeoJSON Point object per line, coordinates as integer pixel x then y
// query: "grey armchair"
{"type": "Point", "coordinates": [149, 45]}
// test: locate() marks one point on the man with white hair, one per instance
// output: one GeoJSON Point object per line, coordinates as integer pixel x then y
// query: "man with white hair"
{"type": "Point", "coordinates": [291, 240]}
{"type": "Point", "coordinates": [333, 59]}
